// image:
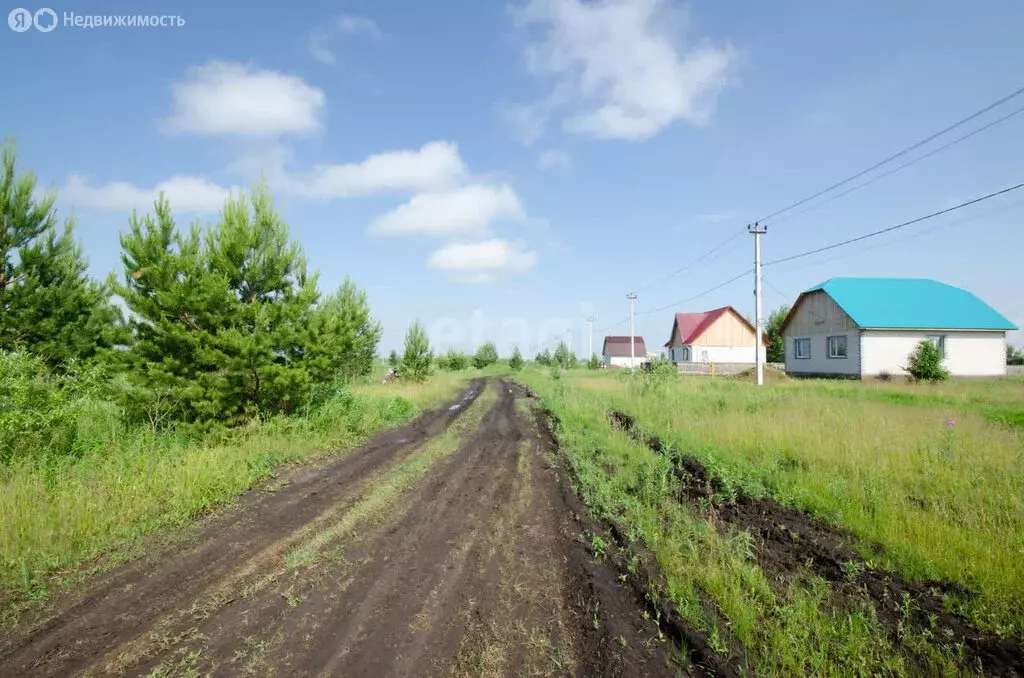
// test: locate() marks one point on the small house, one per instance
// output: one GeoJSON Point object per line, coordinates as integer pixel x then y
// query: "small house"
{"type": "Point", "coordinates": [616, 353]}
{"type": "Point", "coordinates": [867, 327]}
{"type": "Point", "coordinates": [721, 335]}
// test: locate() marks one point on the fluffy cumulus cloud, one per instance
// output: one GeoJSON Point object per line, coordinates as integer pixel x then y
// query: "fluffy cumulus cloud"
{"type": "Point", "coordinates": [433, 166]}
{"type": "Point", "coordinates": [344, 25]}
{"type": "Point", "coordinates": [624, 65]}
{"type": "Point", "coordinates": [482, 262]}
{"type": "Point", "coordinates": [185, 194]}
{"type": "Point", "coordinates": [232, 99]}
{"type": "Point", "coordinates": [466, 209]}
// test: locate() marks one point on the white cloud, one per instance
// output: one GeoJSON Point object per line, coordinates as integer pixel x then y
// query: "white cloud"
{"type": "Point", "coordinates": [434, 166]}
{"type": "Point", "coordinates": [346, 24]}
{"type": "Point", "coordinates": [223, 98]}
{"type": "Point", "coordinates": [483, 262]}
{"type": "Point", "coordinates": [554, 159]}
{"type": "Point", "coordinates": [185, 194]}
{"type": "Point", "coordinates": [631, 74]}
{"type": "Point", "coordinates": [469, 208]}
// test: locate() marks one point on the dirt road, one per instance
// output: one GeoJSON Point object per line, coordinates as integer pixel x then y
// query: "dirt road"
{"type": "Point", "coordinates": [449, 546]}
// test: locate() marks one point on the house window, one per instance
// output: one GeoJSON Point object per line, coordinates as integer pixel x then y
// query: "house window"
{"type": "Point", "coordinates": [940, 341]}
{"type": "Point", "coordinates": [686, 354]}
{"type": "Point", "coordinates": [802, 349]}
{"type": "Point", "coordinates": [837, 347]}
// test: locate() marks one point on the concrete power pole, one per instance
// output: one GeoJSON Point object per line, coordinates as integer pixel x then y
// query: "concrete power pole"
{"type": "Point", "coordinates": [590, 331]}
{"type": "Point", "coordinates": [632, 341]}
{"type": "Point", "coordinates": [757, 232]}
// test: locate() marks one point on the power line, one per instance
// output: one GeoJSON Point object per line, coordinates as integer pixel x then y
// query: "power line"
{"type": "Point", "coordinates": [899, 154]}
{"type": "Point", "coordinates": [698, 296]}
{"type": "Point", "coordinates": [893, 228]}
{"type": "Point", "coordinates": [900, 167]}
{"type": "Point", "coordinates": [911, 236]}
{"type": "Point", "coordinates": [693, 263]}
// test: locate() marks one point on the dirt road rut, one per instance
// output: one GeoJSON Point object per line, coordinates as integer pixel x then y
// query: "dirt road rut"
{"type": "Point", "coordinates": [447, 547]}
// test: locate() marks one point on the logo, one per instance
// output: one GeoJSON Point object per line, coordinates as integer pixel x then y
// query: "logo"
{"type": "Point", "coordinates": [20, 20]}
{"type": "Point", "coordinates": [45, 20]}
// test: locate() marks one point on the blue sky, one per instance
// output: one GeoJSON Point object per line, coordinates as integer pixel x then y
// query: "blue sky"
{"type": "Point", "coordinates": [501, 171]}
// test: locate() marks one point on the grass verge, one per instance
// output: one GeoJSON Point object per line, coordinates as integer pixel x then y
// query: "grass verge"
{"type": "Point", "coordinates": [95, 510]}
{"type": "Point", "coordinates": [785, 627]}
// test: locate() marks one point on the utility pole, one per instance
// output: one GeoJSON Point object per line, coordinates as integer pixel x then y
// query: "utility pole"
{"type": "Point", "coordinates": [632, 341]}
{"type": "Point", "coordinates": [757, 231]}
{"type": "Point", "coordinates": [590, 330]}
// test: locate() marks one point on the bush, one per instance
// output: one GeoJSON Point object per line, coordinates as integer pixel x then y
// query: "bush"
{"type": "Point", "coordinates": [393, 359]}
{"type": "Point", "coordinates": [36, 419]}
{"type": "Point", "coordinates": [565, 357]}
{"type": "Point", "coordinates": [1014, 356]}
{"type": "Point", "coordinates": [453, 361]}
{"type": "Point", "coordinates": [654, 375]}
{"type": "Point", "coordinates": [926, 363]}
{"type": "Point", "coordinates": [486, 355]}
{"type": "Point", "coordinates": [594, 363]}
{"type": "Point", "coordinates": [543, 358]}
{"type": "Point", "coordinates": [515, 363]}
{"type": "Point", "coordinates": [417, 359]}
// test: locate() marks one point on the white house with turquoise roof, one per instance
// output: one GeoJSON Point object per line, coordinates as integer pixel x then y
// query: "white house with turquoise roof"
{"type": "Point", "coordinates": [866, 327]}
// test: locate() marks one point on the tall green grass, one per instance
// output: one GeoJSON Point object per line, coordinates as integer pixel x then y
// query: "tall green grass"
{"type": "Point", "coordinates": [926, 471]}
{"type": "Point", "coordinates": [796, 630]}
{"type": "Point", "coordinates": [58, 511]}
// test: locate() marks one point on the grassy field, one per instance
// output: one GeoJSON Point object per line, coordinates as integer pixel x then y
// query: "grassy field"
{"type": "Point", "coordinates": [930, 474]}
{"type": "Point", "coordinates": [56, 517]}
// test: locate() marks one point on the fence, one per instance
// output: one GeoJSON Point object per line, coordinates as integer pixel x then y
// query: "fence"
{"type": "Point", "coordinates": [720, 368]}
{"type": "Point", "coordinates": [1015, 370]}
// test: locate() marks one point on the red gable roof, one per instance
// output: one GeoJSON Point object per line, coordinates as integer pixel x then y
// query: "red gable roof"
{"type": "Point", "coordinates": [692, 325]}
{"type": "Point", "coordinates": [618, 347]}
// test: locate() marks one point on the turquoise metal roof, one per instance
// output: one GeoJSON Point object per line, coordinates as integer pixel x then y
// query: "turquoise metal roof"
{"type": "Point", "coordinates": [911, 303]}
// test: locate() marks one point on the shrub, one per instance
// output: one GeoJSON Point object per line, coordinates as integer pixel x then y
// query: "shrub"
{"type": "Point", "coordinates": [565, 357]}
{"type": "Point", "coordinates": [1014, 356]}
{"type": "Point", "coordinates": [453, 361]}
{"type": "Point", "coordinates": [515, 363]}
{"type": "Point", "coordinates": [594, 363]}
{"type": "Point", "coordinates": [925, 363]}
{"type": "Point", "coordinates": [486, 355]}
{"type": "Point", "coordinates": [418, 356]}
{"type": "Point", "coordinates": [393, 358]}
{"type": "Point", "coordinates": [36, 418]}
{"type": "Point", "coordinates": [543, 358]}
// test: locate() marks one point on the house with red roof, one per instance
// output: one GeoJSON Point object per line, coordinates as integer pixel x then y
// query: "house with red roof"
{"type": "Point", "coordinates": [616, 352]}
{"type": "Point", "coordinates": [721, 335]}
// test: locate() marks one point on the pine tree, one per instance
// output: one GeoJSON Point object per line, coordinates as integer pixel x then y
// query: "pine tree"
{"type": "Point", "coordinates": [393, 359]}
{"type": "Point", "coordinates": [418, 356]}
{"type": "Point", "coordinates": [260, 353]}
{"type": "Point", "coordinates": [515, 363]}
{"type": "Point", "coordinates": [48, 303]}
{"type": "Point", "coordinates": [486, 355]}
{"type": "Point", "coordinates": [176, 307]}
{"type": "Point", "coordinates": [543, 358]}
{"type": "Point", "coordinates": [565, 357]}
{"type": "Point", "coordinates": [221, 323]}
{"type": "Point", "coordinates": [594, 363]}
{"type": "Point", "coordinates": [342, 336]}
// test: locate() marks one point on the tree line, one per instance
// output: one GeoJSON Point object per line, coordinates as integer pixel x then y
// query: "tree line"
{"type": "Point", "coordinates": [214, 323]}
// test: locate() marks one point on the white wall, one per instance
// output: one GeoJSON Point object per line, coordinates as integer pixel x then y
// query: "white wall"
{"type": "Point", "coordinates": [718, 354]}
{"type": "Point", "coordinates": [968, 354]}
{"type": "Point", "coordinates": [624, 361]}
{"type": "Point", "coordinates": [725, 354]}
{"type": "Point", "coordinates": [819, 363]}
